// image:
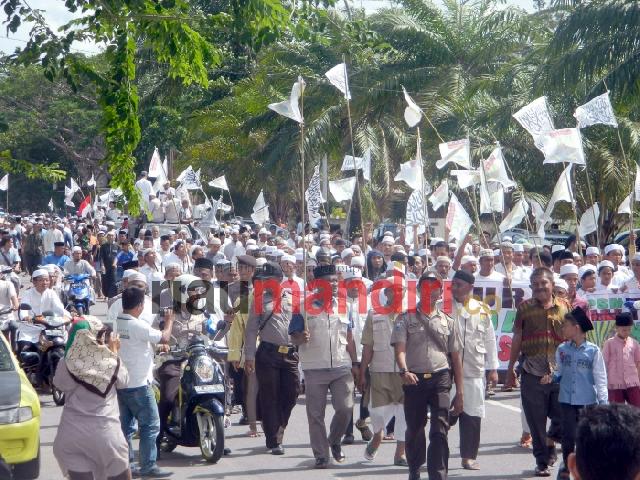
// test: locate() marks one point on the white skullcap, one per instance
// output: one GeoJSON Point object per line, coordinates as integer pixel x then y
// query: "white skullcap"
{"type": "Point", "coordinates": [357, 261]}
{"type": "Point", "coordinates": [557, 248]}
{"type": "Point", "coordinates": [506, 244]}
{"type": "Point", "coordinates": [468, 259]}
{"type": "Point", "coordinates": [269, 249]}
{"type": "Point", "coordinates": [76, 249]}
{"type": "Point", "coordinates": [215, 241]}
{"type": "Point", "coordinates": [260, 261]}
{"type": "Point", "coordinates": [507, 239]}
{"type": "Point", "coordinates": [560, 283]}
{"type": "Point", "coordinates": [41, 272]}
{"type": "Point", "coordinates": [388, 233]}
{"type": "Point", "coordinates": [592, 251]}
{"type": "Point", "coordinates": [612, 247]}
{"type": "Point", "coordinates": [263, 231]}
{"type": "Point", "coordinates": [251, 248]}
{"type": "Point", "coordinates": [128, 273]}
{"type": "Point", "coordinates": [346, 252]}
{"type": "Point", "coordinates": [443, 259]}
{"type": "Point", "coordinates": [606, 263]}
{"type": "Point", "coordinates": [288, 258]}
{"type": "Point", "coordinates": [486, 252]}
{"type": "Point", "coordinates": [135, 276]}
{"type": "Point", "coordinates": [568, 269]}
{"type": "Point", "coordinates": [51, 268]}
{"type": "Point", "coordinates": [278, 253]}
{"type": "Point", "coordinates": [582, 271]}
{"type": "Point", "coordinates": [299, 256]}
{"type": "Point", "coordinates": [518, 247]}
{"type": "Point", "coordinates": [352, 273]}
{"type": "Point", "coordinates": [251, 241]}
{"type": "Point", "coordinates": [388, 239]}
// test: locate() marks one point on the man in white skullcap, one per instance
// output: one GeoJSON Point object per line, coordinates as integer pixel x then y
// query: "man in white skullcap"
{"type": "Point", "coordinates": [615, 254]}
{"type": "Point", "coordinates": [443, 267]}
{"type": "Point", "coordinates": [214, 254]}
{"type": "Point", "coordinates": [290, 279]}
{"type": "Point", "coordinates": [569, 274]}
{"type": "Point", "coordinates": [592, 256]}
{"type": "Point", "coordinates": [507, 267]}
{"type": "Point", "coordinates": [632, 285]}
{"type": "Point", "coordinates": [347, 255]}
{"type": "Point", "coordinates": [40, 297]}
{"type": "Point", "coordinates": [469, 264]}
{"type": "Point", "coordinates": [78, 266]}
{"type": "Point", "coordinates": [487, 270]}
{"type": "Point", "coordinates": [386, 247]}
{"type": "Point", "coordinates": [132, 278]}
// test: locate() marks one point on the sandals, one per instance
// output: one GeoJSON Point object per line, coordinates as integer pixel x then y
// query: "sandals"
{"type": "Point", "coordinates": [370, 452]}
{"type": "Point", "coordinates": [526, 441]}
{"type": "Point", "coordinates": [365, 431]}
{"type": "Point", "coordinates": [470, 464]}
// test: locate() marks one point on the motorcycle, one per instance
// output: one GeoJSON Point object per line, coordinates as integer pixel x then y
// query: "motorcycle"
{"type": "Point", "coordinates": [198, 415]}
{"type": "Point", "coordinates": [77, 293]}
{"type": "Point", "coordinates": [50, 349]}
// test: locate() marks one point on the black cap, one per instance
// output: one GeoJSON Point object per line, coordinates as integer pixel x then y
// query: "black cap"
{"type": "Point", "coordinates": [624, 319]}
{"type": "Point", "coordinates": [464, 276]}
{"type": "Point", "coordinates": [203, 262]}
{"type": "Point", "coordinates": [58, 244]}
{"type": "Point", "coordinates": [247, 260]}
{"type": "Point", "coordinates": [441, 243]}
{"type": "Point", "coordinates": [268, 270]}
{"type": "Point", "coordinates": [324, 271]}
{"type": "Point", "coordinates": [130, 265]}
{"type": "Point", "coordinates": [581, 318]}
{"type": "Point", "coordinates": [340, 241]}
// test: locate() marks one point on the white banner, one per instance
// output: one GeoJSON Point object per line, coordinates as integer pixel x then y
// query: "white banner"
{"type": "Point", "coordinates": [458, 221]}
{"type": "Point", "coordinates": [596, 111]}
{"type": "Point", "coordinates": [342, 189]}
{"type": "Point", "coordinates": [589, 220]}
{"type": "Point", "coordinates": [515, 216]}
{"type": "Point", "coordinates": [440, 196]}
{"type": "Point", "coordinates": [313, 196]}
{"type": "Point", "coordinates": [561, 193]}
{"type": "Point", "coordinates": [563, 146]}
{"type": "Point", "coordinates": [220, 182]}
{"type": "Point", "coordinates": [495, 169]}
{"type": "Point", "coordinates": [155, 164]}
{"type": "Point", "coordinates": [358, 163]}
{"type": "Point", "coordinates": [466, 178]}
{"type": "Point", "coordinates": [458, 152]}
{"type": "Point", "coordinates": [535, 118]}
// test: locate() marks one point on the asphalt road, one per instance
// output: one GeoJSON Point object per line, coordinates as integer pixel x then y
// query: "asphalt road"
{"type": "Point", "coordinates": [500, 455]}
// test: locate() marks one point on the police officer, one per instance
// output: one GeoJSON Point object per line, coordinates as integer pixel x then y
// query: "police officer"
{"type": "Point", "coordinates": [275, 361]}
{"type": "Point", "coordinates": [329, 363]}
{"type": "Point", "coordinates": [423, 341]}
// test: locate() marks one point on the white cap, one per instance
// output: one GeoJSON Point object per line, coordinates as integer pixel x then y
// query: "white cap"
{"type": "Point", "coordinates": [557, 248]}
{"type": "Point", "coordinates": [584, 269]}
{"type": "Point", "coordinates": [40, 272]}
{"type": "Point", "coordinates": [76, 249]}
{"type": "Point", "coordinates": [357, 261]}
{"type": "Point", "coordinates": [486, 252]}
{"type": "Point", "coordinates": [606, 263]}
{"type": "Point", "coordinates": [568, 269]}
{"type": "Point", "coordinates": [613, 246]}
{"type": "Point", "coordinates": [352, 273]}
{"type": "Point", "coordinates": [128, 273]}
{"type": "Point", "coordinates": [518, 247]}
{"type": "Point", "coordinates": [136, 276]}
{"type": "Point", "coordinates": [592, 251]}
{"type": "Point", "coordinates": [260, 261]}
{"type": "Point", "coordinates": [215, 241]}
{"type": "Point", "coordinates": [468, 259]}
{"type": "Point", "coordinates": [507, 238]}
{"type": "Point", "coordinates": [263, 231]}
{"type": "Point", "coordinates": [560, 283]}
{"type": "Point", "coordinates": [269, 249]}
{"type": "Point", "coordinates": [288, 258]}
{"type": "Point", "coordinates": [443, 259]}
{"type": "Point", "coordinates": [299, 256]}
{"type": "Point", "coordinates": [388, 239]}
{"type": "Point", "coordinates": [346, 252]}
{"type": "Point", "coordinates": [251, 241]}
{"type": "Point", "coordinates": [251, 248]}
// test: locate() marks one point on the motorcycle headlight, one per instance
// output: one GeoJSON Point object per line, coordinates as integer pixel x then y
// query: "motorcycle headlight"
{"type": "Point", "coordinates": [15, 415]}
{"type": "Point", "coordinates": [204, 369]}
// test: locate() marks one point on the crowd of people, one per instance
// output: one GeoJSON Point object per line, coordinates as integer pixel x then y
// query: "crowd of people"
{"type": "Point", "coordinates": [325, 329]}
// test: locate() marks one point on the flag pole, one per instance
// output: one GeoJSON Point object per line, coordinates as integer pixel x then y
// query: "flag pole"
{"type": "Point", "coordinates": [424, 200]}
{"type": "Point", "coordinates": [575, 213]}
{"type": "Point", "coordinates": [353, 155]}
{"type": "Point", "coordinates": [302, 207]}
{"type": "Point", "coordinates": [7, 195]}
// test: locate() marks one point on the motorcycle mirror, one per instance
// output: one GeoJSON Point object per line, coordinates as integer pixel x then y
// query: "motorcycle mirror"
{"type": "Point", "coordinates": [25, 306]}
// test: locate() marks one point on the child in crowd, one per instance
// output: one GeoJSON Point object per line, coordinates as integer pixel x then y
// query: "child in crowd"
{"type": "Point", "coordinates": [582, 376]}
{"type": "Point", "coordinates": [622, 359]}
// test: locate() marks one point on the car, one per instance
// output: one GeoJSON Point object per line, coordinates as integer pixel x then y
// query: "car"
{"type": "Point", "coordinates": [19, 417]}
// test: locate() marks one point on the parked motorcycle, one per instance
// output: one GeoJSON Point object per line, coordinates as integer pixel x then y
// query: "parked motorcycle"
{"type": "Point", "coordinates": [77, 293]}
{"type": "Point", "coordinates": [198, 415]}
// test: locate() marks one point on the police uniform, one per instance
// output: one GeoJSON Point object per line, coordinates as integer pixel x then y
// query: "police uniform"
{"type": "Point", "coordinates": [428, 339]}
{"type": "Point", "coordinates": [276, 359]}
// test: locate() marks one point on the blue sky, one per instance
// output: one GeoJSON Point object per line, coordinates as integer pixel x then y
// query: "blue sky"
{"type": "Point", "coordinates": [57, 15]}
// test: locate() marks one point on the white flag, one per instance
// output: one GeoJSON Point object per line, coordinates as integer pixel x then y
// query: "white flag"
{"type": "Point", "coordinates": [541, 221]}
{"type": "Point", "coordinates": [4, 183]}
{"type": "Point", "coordinates": [91, 182]}
{"type": "Point", "coordinates": [596, 110]}
{"type": "Point", "coordinates": [220, 182]}
{"type": "Point", "coordinates": [68, 193]}
{"type": "Point", "coordinates": [68, 202]}
{"type": "Point", "coordinates": [458, 152]}
{"type": "Point", "coordinates": [50, 204]}
{"type": "Point", "coordinates": [458, 221]}
{"type": "Point", "coordinates": [515, 216]}
{"type": "Point", "coordinates": [589, 220]}
{"type": "Point", "coordinates": [636, 185]}
{"type": "Point", "coordinates": [495, 169]}
{"type": "Point", "coordinates": [190, 179]}
{"type": "Point", "coordinates": [339, 79]}
{"type": "Point", "coordinates": [535, 119]}
{"type": "Point", "coordinates": [290, 108]}
{"type": "Point", "coordinates": [466, 178]}
{"type": "Point", "coordinates": [313, 197]}
{"type": "Point", "coordinates": [625, 206]}
{"type": "Point", "coordinates": [564, 145]}
{"type": "Point", "coordinates": [260, 216]}
{"type": "Point", "coordinates": [342, 189]}
{"type": "Point", "coordinates": [412, 114]}
{"type": "Point", "coordinates": [562, 192]}
{"type": "Point", "coordinates": [358, 163]}
{"type": "Point", "coordinates": [411, 171]}
{"type": "Point", "coordinates": [440, 196]}
{"type": "Point", "coordinates": [210, 220]}
{"type": "Point", "coordinates": [491, 196]}
{"type": "Point", "coordinates": [155, 164]}
{"type": "Point", "coordinates": [415, 215]}
{"type": "Point", "coordinates": [74, 186]}
{"type": "Point", "coordinates": [161, 179]}
{"type": "Point", "coordinates": [260, 203]}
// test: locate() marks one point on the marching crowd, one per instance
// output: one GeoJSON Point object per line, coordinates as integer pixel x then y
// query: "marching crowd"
{"type": "Point", "coordinates": [359, 313]}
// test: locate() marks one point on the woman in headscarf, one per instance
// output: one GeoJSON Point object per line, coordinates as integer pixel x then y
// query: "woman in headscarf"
{"type": "Point", "coordinates": [89, 444]}
{"type": "Point", "coordinates": [376, 266]}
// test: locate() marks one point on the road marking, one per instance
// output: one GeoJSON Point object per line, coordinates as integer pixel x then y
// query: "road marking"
{"type": "Point", "coordinates": [503, 405]}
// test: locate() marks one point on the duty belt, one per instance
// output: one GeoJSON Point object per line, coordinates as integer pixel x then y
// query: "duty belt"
{"type": "Point", "coordinates": [427, 376]}
{"type": "Point", "coordinates": [272, 347]}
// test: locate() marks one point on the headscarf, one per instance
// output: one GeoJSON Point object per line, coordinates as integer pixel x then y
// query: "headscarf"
{"type": "Point", "coordinates": [91, 364]}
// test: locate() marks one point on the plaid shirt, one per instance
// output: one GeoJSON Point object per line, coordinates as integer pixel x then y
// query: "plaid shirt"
{"type": "Point", "coordinates": [541, 333]}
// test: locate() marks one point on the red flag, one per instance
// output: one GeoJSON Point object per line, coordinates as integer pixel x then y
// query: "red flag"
{"type": "Point", "coordinates": [85, 207]}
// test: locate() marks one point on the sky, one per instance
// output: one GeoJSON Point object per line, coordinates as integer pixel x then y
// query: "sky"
{"type": "Point", "coordinates": [57, 15]}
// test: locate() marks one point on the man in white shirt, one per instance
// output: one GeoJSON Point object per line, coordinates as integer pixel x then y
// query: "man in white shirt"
{"type": "Point", "coordinates": [171, 209]}
{"type": "Point", "coordinates": [137, 401]}
{"type": "Point", "coordinates": [77, 265]}
{"type": "Point", "coordinates": [486, 271]}
{"type": "Point", "coordinates": [155, 209]}
{"type": "Point", "coordinates": [41, 298]}
{"type": "Point", "coordinates": [145, 187]}
{"type": "Point", "coordinates": [131, 278]}
{"type": "Point", "coordinates": [53, 235]}
{"type": "Point", "coordinates": [150, 269]}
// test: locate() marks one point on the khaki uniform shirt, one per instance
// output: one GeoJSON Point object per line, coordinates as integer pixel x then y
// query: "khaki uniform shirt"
{"type": "Point", "coordinates": [429, 339]}
{"type": "Point", "coordinates": [276, 325]}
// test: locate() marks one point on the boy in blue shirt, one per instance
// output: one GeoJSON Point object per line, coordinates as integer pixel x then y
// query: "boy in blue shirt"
{"type": "Point", "coordinates": [582, 376]}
